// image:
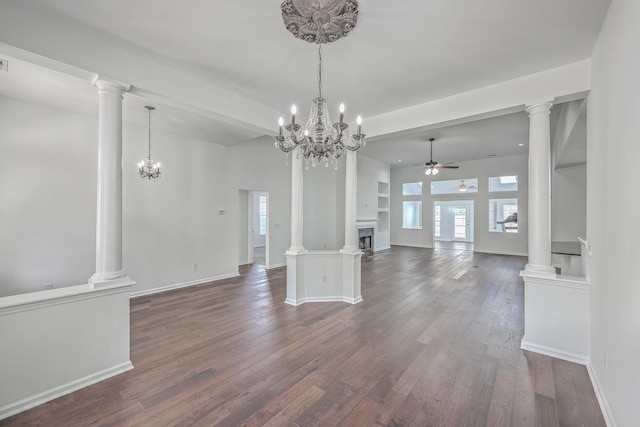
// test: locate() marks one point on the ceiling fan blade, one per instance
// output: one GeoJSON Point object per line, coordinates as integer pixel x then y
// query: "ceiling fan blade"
{"type": "Point", "coordinates": [447, 167]}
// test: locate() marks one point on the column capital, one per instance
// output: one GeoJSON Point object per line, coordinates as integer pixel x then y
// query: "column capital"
{"type": "Point", "coordinates": [109, 85]}
{"type": "Point", "coordinates": [539, 107]}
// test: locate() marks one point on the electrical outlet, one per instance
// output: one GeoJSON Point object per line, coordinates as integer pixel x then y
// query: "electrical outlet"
{"type": "Point", "coordinates": [48, 286]}
{"type": "Point", "coordinates": [4, 65]}
{"type": "Point", "coordinates": [195, 265]}
{"type": "Point", "coordinates": [324, 279]}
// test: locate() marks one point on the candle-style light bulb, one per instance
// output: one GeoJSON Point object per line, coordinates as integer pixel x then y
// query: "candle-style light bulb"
{"type": "Point", "coordinates": [342, 112]}
{"type": "Point", "coordinates": [158, 165]}
{"type": "Point", "coordinates": [359, 122]}
{"type": "Point", "coordinates": [293, 113]}
{"type": "Point", "coordinates": [280, 123]}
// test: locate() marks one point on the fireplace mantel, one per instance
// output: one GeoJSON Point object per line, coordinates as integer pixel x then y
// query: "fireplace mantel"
{"type": "Point", "coordinates": [367, 223]}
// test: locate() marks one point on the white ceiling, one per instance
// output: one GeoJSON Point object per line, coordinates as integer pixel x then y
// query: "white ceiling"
{"type": "Point", "coordinates": [400, 54]}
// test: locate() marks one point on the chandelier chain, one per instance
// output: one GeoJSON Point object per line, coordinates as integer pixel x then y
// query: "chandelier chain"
{"type": "Point", "coordinates": [149, 109]}
{"type": "Point", "coordinates": [320, 69]}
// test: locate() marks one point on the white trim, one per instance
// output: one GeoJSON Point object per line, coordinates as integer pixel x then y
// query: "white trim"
{"type": "Point", "coordinates": [41, 299]}
{"type": "Point", "coordinates": [182, 285]}
{"type": "Point", "coordinates": [483, 251]}
{"type": "Point", "coordinates": [383, 248]}
{"type": "Point", "coordinates": [579, 283]}
{"type": "Point", "coordinates": [607, 414]}
{"type": "Point", "coordinates": [46, 396]}
{"type": "Point", "coordinates": [554, 352]}
{"type": "Point", "coordinates": [412, 246]}
{"type": "Point", "coordinates": [293, 302]}
{"type": "Point", "coordinates": [324, 299]}
{"type": "Point", "coordinates": [274, 266]}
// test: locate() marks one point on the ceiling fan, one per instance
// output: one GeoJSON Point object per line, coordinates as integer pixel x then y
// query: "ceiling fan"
{"type": "Point", "coordinates": [434, 167]}
{"type": "Point", "coordinates": [464, 187]}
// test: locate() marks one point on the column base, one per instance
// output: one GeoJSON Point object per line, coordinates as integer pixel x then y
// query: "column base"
{"type": "Point", "coordinates": [101, 280]}
{"type": "Point", "coordinates": [296, 250]}
{"type": "Point", "coordinates": [536, 270]}
{"type": "Point", "coordinates": [351, 250]}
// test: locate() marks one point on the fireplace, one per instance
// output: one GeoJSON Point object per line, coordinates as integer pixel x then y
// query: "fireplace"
{"type": "Point", "coordinates": [365, 241]}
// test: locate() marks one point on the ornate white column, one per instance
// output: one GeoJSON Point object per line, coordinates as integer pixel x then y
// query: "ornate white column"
{"type": "Point", "coordinates": [109, 213]}
{"type": "Point", "coordinates": [297, 187]}
{"type": "Point", "coordinates": [350, 203]}
{"type": "Point", "coordinates": [539, 190]}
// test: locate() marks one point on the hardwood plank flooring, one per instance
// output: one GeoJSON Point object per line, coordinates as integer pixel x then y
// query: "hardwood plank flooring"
{"type": "Point", "coordinates": [434, 343]}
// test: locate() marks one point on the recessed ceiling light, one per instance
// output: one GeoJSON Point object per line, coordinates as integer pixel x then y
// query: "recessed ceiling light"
{"type": "Point", "coordinates": [399, 160]}
{"type": "Point", "coordinates": [520, 145]}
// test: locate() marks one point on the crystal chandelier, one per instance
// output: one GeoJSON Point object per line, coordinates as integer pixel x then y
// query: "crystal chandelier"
{"type": "Point", "coordinates": [147, 168]}
{"type": "Point", "coordinates": [320, 140]}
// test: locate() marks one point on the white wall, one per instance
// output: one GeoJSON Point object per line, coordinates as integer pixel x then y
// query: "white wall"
{"type": "Point", "coordinates": [257, 165]}
{"type": "Point", "coordinates": [321, 207]}
{"type": "Point", "coordinates": [612, 205]}
{"type": "Point", "coordinates": [569, 204]}
{"type": "Point", "coordinates": [48, 170]}
{"type": "Point", "coordinates": [243, 227]}
{"type": "Point", "coordinates": [174, 222]}
{"type": "Point", "coordinates": [484, 241]}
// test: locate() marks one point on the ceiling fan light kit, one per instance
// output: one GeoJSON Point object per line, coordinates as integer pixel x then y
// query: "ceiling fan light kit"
{"type": "Point", "coordinates": [433, 168]}
{"type": "Point", "coordinates": [320, 140]}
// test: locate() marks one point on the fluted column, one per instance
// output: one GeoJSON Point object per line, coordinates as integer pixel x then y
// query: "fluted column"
{"type": "Point", "coordinates": [109, 213]}
{"type": "Point", "coordinates": [297, 186]}
{"type": "Point", "coordinates": [539, 189]}
{"type": "Point", "coordinates": [350, 203]}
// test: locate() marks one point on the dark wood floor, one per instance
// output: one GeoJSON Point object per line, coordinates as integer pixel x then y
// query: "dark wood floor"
{"type": "Point", "coordinates": [435, 343]}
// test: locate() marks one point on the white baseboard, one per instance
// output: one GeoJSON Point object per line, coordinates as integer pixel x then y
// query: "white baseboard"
{"type": "Point", "coordinates": [486, 251]}
{"type": "Point", "coordinates": [181, 285]}
{"type": "Point", "coordinates": [294, 302]}
{"type": "Point", "coordinates": [554, 352]}
{"type": "Point", "coordinates": [273, 266]}
{"type": "Point", "coordinates": [412, 246]}
{"type": "Point", "coordinates": [46, 396]}
{"type": "Point", "coordinates": [323, 299]}
{"type": "Point", "coordinates": [602, 400]}
{"type": "Point", "coordinates": [382, 248]}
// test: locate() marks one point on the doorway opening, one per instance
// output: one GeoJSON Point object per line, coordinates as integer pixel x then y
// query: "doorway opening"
{"type": "Point", "coordinates": [254, 227]}
{"type": "Point", "coordinates": [453, 224]}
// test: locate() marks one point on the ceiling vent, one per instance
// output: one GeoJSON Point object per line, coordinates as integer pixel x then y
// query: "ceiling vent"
{"type": "Point", "coordinates": [4, 65]}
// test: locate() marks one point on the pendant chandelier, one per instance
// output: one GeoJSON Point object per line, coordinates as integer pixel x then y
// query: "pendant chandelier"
{"type": "Point", "coordinates": [148, 168]}
{"type": "Point", "coordinates": [320, 141]}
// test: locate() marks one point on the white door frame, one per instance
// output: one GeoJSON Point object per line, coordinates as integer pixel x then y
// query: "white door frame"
{"type": "Point", "coordinates": [469, 205]}
{"type": "Point", "coordinates": [250, 228]}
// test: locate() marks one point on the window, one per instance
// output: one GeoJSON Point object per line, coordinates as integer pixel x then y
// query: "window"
{"type": "Point", "coordinates": [436, 221]}
{"type": "Point", "coordinates": [262, 212]}
{"type": "Point", "coordinates": [412, 189]}
{"type": "Point", "coordinates": [455, 186]}
{"type": "Point", "coordinates": [412, 214]}
{"type": "Point", "coordinates": [503, 183]}
{"type": "Point", "coordinates": [503, 215]}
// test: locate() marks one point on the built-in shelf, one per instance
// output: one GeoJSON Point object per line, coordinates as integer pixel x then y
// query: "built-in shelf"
{"type": "Point", "coordinates": [383, 188]}
{"type": "Point", "coordinates": [383, 207]}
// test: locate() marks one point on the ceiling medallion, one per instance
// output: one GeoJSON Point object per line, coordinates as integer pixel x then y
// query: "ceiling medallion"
{"type": "Point", "coordinates": [320, 21]}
